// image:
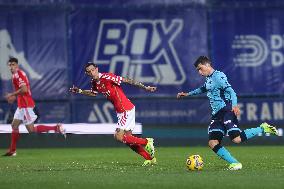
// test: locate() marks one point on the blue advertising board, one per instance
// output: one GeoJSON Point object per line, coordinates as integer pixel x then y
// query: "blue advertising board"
{"type": "Point", "coordinates": [154, 47]}
{"type": "Point", "coordinates": [157, 111]}
{"type": "Point", "coordinates": [49, 112]}
{"type": "Point", "coordinates": [30, 36]}
{"type": "Point", "coordinates": [258, 110]}
{"type": "Point", "coordinates": [248, 45]}
{"type": "Point", "coordinates": [190, 111]}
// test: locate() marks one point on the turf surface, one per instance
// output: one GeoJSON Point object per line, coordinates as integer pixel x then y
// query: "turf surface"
{"type": "Point", "coordinates": [263, 167]}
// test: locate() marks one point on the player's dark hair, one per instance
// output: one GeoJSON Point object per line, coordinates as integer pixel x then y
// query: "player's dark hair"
{"type": "Point", "coordinates": [202, 60]}
{"type": "Point", "coordinates": [13, 59]}
{"type": "Point", "coordinates": [90, 64]}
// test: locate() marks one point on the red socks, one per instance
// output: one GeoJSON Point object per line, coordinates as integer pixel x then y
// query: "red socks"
{"type": "Point", "coordinates": [130, 139]}
{"type": "Point", "coordinates": [15, 135]}
{"type": "Point", "coordinates": [140, 150]}
{"type": "Point", "coordinates": [44, 128]}
{"type": "Point", "coordinates": [136, 144]}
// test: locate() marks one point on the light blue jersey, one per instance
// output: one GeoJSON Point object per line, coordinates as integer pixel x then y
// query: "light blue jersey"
{"type": "Point", "coordinates": [218, 90]}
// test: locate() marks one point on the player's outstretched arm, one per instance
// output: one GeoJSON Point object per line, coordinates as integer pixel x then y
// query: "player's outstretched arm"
{"type": "Point", "coordinates": [75, 89]}
{"type": "Point", "coordinates": [138, 84]}
{"type": "Point", "coordinates": [182, 94]}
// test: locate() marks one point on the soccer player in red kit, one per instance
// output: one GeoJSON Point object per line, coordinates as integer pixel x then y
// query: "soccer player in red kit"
{"type": "Point", "coordinates": [24, 113]}
{"type": "Point", "coordinates": [110, 86]}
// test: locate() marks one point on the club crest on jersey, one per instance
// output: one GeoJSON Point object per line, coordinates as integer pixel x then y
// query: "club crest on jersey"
{"type": "Point", "coordinates": [142, 49]}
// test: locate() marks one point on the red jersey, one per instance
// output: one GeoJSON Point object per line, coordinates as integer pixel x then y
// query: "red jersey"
{"type": "Point", "coordinates": [24, 100]}
{"type": "Point", "coordinates": [109, 85]}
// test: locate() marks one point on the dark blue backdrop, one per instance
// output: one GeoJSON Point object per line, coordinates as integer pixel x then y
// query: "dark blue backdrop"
{"type": "Point", "coordinates": [154, 47]}
{"type": "Point", "coordinates": [248, 45]}
{"type": "Point", "coordinates": [38, 39]}
{"type": "Point", "coordinates": [155, 43]}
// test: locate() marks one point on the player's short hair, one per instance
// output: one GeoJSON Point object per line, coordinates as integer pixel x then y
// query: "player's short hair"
{"type": "Point", "coordinates": [13, 59]}
{"type": "Point", "coordinates": [90, 64]}
{"type": "Point", "coordinates": [202, 60]}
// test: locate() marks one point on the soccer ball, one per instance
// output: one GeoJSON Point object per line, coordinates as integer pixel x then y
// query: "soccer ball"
{"type": "Point", "coordinates": [194, 162]}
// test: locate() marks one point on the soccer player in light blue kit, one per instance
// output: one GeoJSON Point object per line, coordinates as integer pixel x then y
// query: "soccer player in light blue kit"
{"type": "Point", "coordinates": [223, 101]}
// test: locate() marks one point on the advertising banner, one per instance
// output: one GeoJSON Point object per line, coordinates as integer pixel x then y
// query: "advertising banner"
{"type": "Point", "coordinates": [248, 45]}
{"type": "Point", "coordinates": [156, 47]}
{"type": "Point", "coordinates": [187, 111]}
{"type": "Point", "coordinates": [155, 111]}
{"type": "Point", "coordinates": [37, 38]}
{"type": "Point", "coordinates": [49, 112]}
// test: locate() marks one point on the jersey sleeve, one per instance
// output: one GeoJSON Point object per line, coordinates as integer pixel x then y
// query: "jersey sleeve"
{"type": "Point", "coordinates": [197, 91]}
{"type": "Point", "coordinates": [225, 85]}
{"type": "Point", "coordinates": [114, 78]}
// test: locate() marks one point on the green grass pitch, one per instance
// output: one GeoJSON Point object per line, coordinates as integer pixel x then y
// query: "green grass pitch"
{"type": "Point", "coordinates": [115, 168]}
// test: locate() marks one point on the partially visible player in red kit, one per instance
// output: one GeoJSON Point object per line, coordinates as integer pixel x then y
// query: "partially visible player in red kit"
{"type": "Point", "coordinates": [110, 86]}
{"type": "Point", "coordinates": [24, 113]}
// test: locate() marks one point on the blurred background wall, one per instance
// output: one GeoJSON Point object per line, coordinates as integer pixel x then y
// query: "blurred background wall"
{"type": "Point", "coordinates": [155, 42]}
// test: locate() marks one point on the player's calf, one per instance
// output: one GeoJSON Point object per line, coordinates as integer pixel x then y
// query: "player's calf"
{"type": "Point", "coordinates": [213, 143]}
{"type": "Point", "coordinates": [130, 139]}
{"type": "Point", "coordinates": [30, 128]}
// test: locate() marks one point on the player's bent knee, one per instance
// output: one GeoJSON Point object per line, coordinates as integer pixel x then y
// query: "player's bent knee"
{"type": "Point", "coordinates": [235, 136]}
{"type": "Point", "coordinates": [118, 135]}
{"type": "Point", "coordinates": [115, 136]}
{"type": "Point", "coordinates": [119, 138]}
{"type": "Point", "coordinates": [212, 143]}
{"type": "Point", "coordinates": [237, 140]}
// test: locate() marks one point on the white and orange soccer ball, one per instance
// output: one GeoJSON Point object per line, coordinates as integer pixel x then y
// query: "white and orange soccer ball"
{"type": "Point", "coordinates": [194, 163]}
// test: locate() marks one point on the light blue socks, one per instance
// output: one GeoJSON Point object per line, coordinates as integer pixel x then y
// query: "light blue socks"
{"type": "Point", "coordinates": [224, 154]}
{"type": "Point", "coordinates": [253, 132]}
